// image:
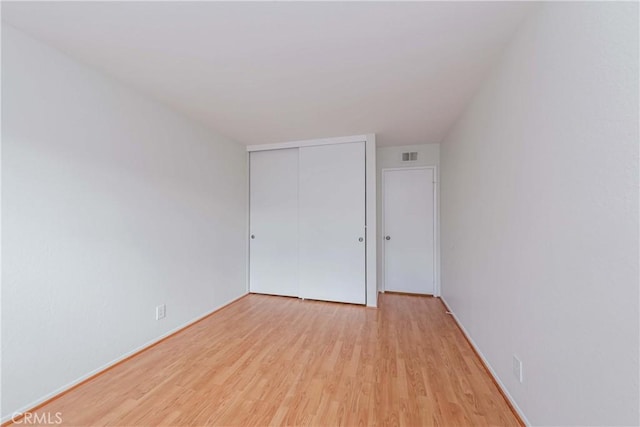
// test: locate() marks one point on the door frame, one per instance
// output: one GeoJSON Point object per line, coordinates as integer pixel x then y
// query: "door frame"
{"type": "Point", "coordinates": [436, 227]}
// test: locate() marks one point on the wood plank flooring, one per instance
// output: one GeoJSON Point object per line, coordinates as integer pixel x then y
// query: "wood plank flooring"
{"type": "Point", "coordinates": [282, 361]}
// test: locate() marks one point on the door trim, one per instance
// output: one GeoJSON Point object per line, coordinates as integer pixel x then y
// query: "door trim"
{"type": "Point", "coordinates": [436, 226]}
{"type": "Point", "coordinates": [308, 143]}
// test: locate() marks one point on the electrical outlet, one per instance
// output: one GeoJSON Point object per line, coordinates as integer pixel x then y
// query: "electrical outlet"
{"type": "Point", "coordinates": [161, 312]}
{"type": "Point", "coordinates": [517, 368]}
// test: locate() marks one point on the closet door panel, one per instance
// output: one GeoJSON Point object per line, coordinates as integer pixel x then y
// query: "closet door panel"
{"type": "Point", "coordinates": [332, 222]}
{"type": "Point", "coordinates": [273, 244]}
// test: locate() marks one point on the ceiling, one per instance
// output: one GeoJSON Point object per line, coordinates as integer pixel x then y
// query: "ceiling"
{"type": "Point", "coordinates": [264, 72]}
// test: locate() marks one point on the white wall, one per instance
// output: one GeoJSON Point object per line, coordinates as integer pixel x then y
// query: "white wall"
{"type": "Point", "coordinates": [112, 204]}
{"type": "Point", "coordinates": [540, 215]}
{"type": "Point", "coordinates": [372, 219]}
{"type": "Point", "coordinates": [391, 157]}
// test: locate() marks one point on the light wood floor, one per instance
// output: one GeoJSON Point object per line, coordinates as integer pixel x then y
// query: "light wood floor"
{"type": "Point", "coordinates": [282, 361]}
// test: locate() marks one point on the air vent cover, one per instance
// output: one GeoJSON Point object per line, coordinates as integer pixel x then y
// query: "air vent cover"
{"type": "Point", "coordinates": [410, 156]}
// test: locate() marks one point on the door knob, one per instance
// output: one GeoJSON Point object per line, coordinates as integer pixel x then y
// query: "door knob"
{"type": "Point", "coordinates": [253, 236]}
{"type": "Point", "coordinates": [387, 238]}
{"type": "Point", "coordinates": [360, 239]}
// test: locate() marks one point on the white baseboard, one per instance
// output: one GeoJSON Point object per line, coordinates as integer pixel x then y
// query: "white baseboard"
{"type": "Point", "coordinates": [77, 381]}
{"type": "Point", "coordinates": [503, 389]}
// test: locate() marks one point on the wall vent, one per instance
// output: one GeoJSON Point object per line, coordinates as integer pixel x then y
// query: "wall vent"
{"type": "Point", "coordinates": [410, 156]}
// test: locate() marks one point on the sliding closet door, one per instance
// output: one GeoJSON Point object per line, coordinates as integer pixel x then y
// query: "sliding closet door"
{"type": "Point", "coordinates": [332, 222]}
{"type": "Point", "coordinates": [273, 255]}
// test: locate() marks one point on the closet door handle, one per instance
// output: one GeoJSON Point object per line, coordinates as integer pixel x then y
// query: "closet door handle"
{"type": "Point", "coordinates": [253, 236]}
{"type": "Point", "coordinates": [360, 239]}
{"type": "Point", "coordinates": [387, 238]}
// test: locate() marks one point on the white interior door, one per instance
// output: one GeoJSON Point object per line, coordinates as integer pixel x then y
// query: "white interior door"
{"type": "Point", "coordinates": [409, 239]}
{"type": "Point", "coordinates": [273, 253]}
{"type": "Point", "coordinates": [332, 222]}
